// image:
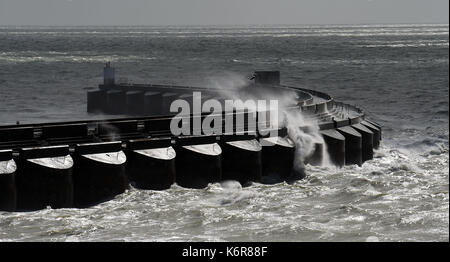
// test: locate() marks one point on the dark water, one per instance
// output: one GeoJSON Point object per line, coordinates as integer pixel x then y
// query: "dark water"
{"type": "Point", "coordinates": [397, 73]}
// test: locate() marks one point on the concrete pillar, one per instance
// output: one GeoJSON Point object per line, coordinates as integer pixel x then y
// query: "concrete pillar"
{"type": "Point", "coordinates": [151, 163]}
{"type": "Point", "coordinates": [8, 193]}
{"type": "Point", "coordinates": [116, 102]}
{"type": "Point", "coordinates": [321, 108]}
{"type": "Point", "coordinates": [152, 103]}
{"type": "Point", "coordinates": [96, 101]}
{"type": "Point", "coordinates": [376, 125]}
{"type": "Point", "coordinates": [135, 102]}
{"type": "Point", "coordinates": [335, 146]}
{"type": "Point", "coordinates": [353, 145]}
{"type": "Point", "coordinates": [277, 158]}
{"type": "Point", "coordinates": [198, 162]}
{"type": "Point", "coordinates": [241, 159]}
{"type": "Point", "coordinates": [376, 133]}
{"type": "Point", "coordinates": [44, 178]}
{"type": "Point", "coordinates": [99, 173]}
{"type": "Point", "coordinates": [367, 141]}
{"type": "Point", "coordinates": [309, 110]}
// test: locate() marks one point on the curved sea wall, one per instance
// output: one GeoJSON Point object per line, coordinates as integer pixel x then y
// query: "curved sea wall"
{"type": "Point", "coordinates": [82, 163]}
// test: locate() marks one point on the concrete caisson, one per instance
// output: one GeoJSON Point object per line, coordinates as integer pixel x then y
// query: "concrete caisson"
{"type": "Point", "coordinates": [376, 125]}
{"type": "Point", "coordinates": [99, 173]}
{"type": "Point", "coordinates": [96, 101]}
{"type": "Point", "coordinates": [321, 108]}
{"type": "Point", "coordinates": [8, 193]}
{"type": "Point", "coordinates": [152, 103]}
{"type": "Point", "coordinates": [241, 158]}
{"type": "Point", "coordinates": [335, 146]}
{"type": "Point", "coordinates": [151, 163]}
{"type": "Point", "coordinates": [376, 133]}
{"type": "Point", "coordinates": [135, 102]}
{"type": "Point", "coordinates": [44, 178]}
{"type": "Point", "coordinates": [367, 141]}
{"type": "Point", "coordinates": [198, 162]}
{"type": "Point", "coordinates": [116, 102]}
{"type": "Point", "coordinates": [277, 158]}
{"type": "Point", "coordinates": [353, 145]}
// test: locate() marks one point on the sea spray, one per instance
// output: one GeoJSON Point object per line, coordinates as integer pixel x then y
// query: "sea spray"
{"type": "Point", "coordinates": [303, 131]}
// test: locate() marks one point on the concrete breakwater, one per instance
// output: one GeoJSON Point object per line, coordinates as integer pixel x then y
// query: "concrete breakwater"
{"type": "Point", "coordinates": [81, 175]}
{"type": "Point", "coordinates": [82, 163]}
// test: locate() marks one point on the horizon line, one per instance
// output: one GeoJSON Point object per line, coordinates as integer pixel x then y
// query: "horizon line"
{"type": "Point", "coordinates": [223, 25]}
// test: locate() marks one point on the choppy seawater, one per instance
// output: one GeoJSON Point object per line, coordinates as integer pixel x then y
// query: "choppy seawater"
{"type": "Point", "coordinates": [397, 73]}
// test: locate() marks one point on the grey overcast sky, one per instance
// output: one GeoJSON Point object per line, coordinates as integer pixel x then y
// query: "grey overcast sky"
{"type": "Point", "coordinates": [220, 12]}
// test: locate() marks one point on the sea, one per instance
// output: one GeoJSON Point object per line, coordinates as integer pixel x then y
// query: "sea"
{"type": "Point", "coordinates": [398, 74]}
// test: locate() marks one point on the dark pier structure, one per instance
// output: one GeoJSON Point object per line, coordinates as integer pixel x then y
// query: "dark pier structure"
{"type": "Point", "coordinates": [82, 163]}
